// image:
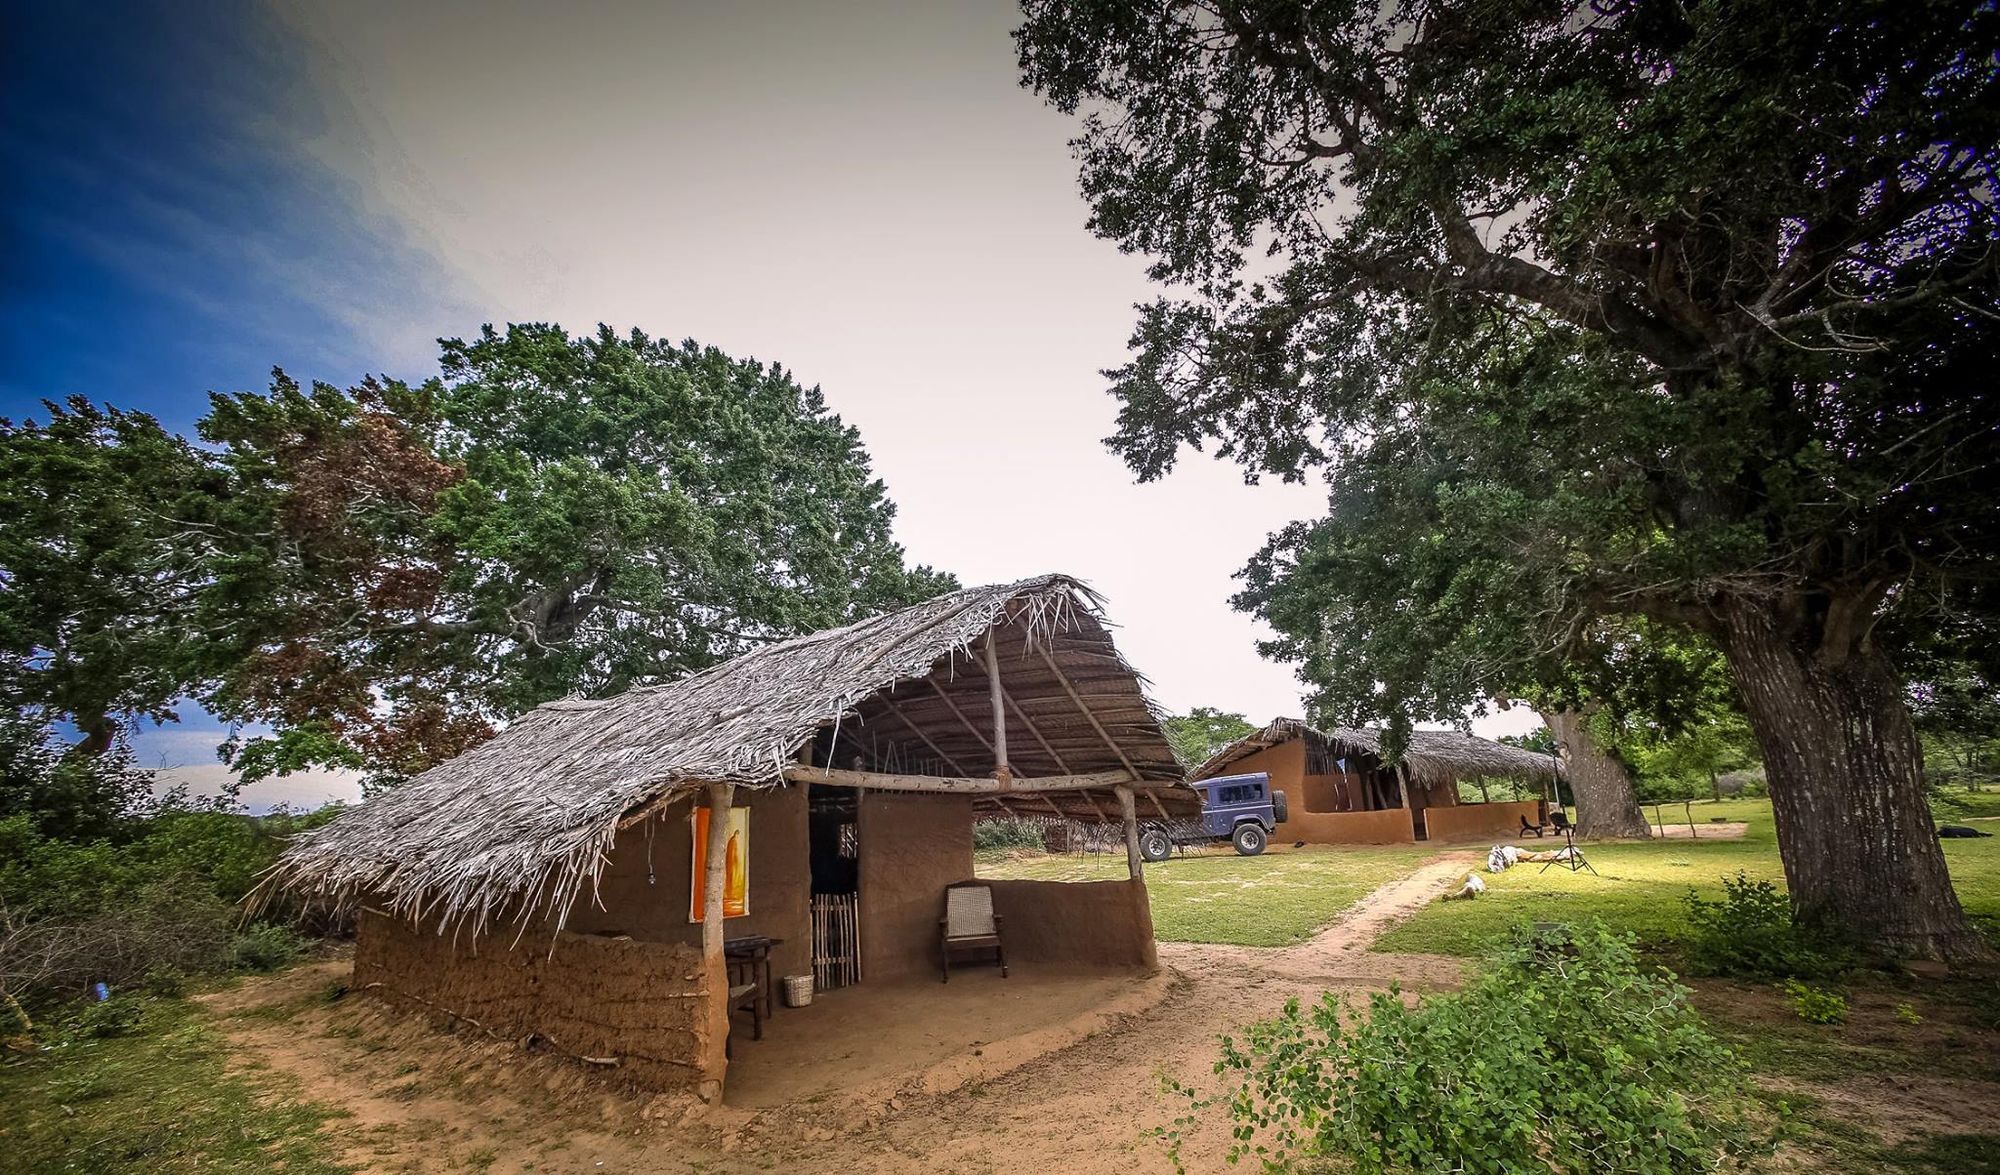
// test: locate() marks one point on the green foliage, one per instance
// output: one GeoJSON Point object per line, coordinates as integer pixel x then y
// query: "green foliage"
{"type": "Point", "coordinates": [382, 573]}
{"type": "Point", "coordinates": [1006, 833]}
{"type": "Point", "coordinates": [1750, 933]}
{"type": "Point", "coordinates": [144, 1086]}
{"type": "Point", "coordinates": [163, 900]}
{"type": "Point", "coordinates": [100, 538]}
{"type": "Point", "coordinates": [1203, 731]}
{"type": "Point", "coordinates": [266, 947]}
{"type": "Point", "coordinates": [1815, 1006]}
{"type": "Point", "coordinates": [1564, 1055]}
{"type": "Point", "coordinates": [1908, 1014]}
{"type": "Point", "coordinates": [1591, 318]}
{"type": "Point", "coordinates": [554, 516]}
{"type": "Point", "coordinates": [67, 796]}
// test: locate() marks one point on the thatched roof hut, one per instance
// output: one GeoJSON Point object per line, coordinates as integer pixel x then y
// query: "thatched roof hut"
{"type": "Point", "coordinates": [1433, 756]}
{"type": "Point", "coordinates": [522, 824]}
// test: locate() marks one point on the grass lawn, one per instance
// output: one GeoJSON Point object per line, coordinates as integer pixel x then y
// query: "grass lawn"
{"type": "Point", "coordinates": [1216, 896]}
{"type": "Point", "coordinates": [154, 1098]}
{"type": "Point", "coordinates": [1641, 887]}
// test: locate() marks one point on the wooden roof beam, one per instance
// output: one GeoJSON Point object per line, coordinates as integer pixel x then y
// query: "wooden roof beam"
{"type": "Point", "coordinates": [956, 785]}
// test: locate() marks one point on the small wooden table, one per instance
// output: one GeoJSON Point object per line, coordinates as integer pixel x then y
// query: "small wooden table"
{"type": "Point", "coordinates": [751, 956]}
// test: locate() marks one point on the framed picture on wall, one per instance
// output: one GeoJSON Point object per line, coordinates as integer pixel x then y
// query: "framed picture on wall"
{"type": "Point", "coordinates": [736, 878]}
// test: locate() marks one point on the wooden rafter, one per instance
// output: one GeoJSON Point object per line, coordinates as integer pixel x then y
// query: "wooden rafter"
{"type": "Point", "coordinates": [897, 712]}
{"type": "Point", "coordinates": [1062, 679]}
{"type": "Point", "coordinates": [956, 785]}
{"type": "Point", "coordinates": [983, 740]}
{"type": "Point", "coordinates": [1026, 722]}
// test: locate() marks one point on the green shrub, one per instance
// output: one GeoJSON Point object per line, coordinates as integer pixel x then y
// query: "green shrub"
{"type": "Point", "coordinates": [266, 947]}
{"type": "Point", "coordinates": [103, 1019]}
{"type": "Point", "coordinates": [1815, 1006]}
{"type": "Point", "coordinates": [1565, 1055]}
{"type": "Point", "coordinates": [1007, 834]}
{"type": "Point", "coordinates": [1750, 933]}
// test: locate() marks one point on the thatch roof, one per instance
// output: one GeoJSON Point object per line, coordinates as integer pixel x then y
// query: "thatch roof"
{"type": "Point", "coordinates": [521, 824]}
{"type": "Point", "coordinates": [1433, 756]}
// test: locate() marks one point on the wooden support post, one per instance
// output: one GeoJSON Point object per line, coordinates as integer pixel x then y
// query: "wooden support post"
{"type": "Point", "coordinates": [715, 879]}
{"type": "Point", "coordinates": [1000, 768]}
{"type": "Point", "coordinates": [715, 870]}
{"type": "Point", "coordinates": [1130, 811]}
{"type": "Point", "coordinates": [1021, 716]}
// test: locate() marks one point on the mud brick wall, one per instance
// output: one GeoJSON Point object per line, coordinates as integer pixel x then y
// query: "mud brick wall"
{"type": "Point", "coordinates": [645, 887]}
{"type": "Point", "coordinates": [912, 846]}
{"type": "Point", "coordinates": [1084, 924]}
{"type": "Point", "coordinates": [1481, 821]}
{"type": "Point", "coordinates": [1390, 826]}
{"type": "Point", "coordinates": [646, 1003]}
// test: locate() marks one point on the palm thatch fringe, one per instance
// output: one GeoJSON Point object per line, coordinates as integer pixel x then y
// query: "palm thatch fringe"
{"type": "Point", "coordinates": [1433, 756]}
{"type": "Point", "coordinates": [522, 825]}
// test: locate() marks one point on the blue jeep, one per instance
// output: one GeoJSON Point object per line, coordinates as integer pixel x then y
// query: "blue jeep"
{"type": "Point", "coordinates": [1241, 809]}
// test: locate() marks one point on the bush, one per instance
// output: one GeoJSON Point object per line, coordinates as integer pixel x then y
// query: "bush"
{"type": "Point", "coordinates": [1007, 834]}
{"type": "Point", "coordinates": [163, 899]}
{"type": "Point", "coordinates": [1564, 1055]}
{"type": "Point", "coordinates": [1750, 933]}
{"type": "Point", "coordinates": [1815, 1006]}
{"type": "Point", "coordinates": [266, 947]}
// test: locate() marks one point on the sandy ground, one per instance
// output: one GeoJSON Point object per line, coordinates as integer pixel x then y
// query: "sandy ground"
{"type": "Point", "coordinates": [1075, 1092]}
{"type": "Point", "coordinates": [1082, 1096]}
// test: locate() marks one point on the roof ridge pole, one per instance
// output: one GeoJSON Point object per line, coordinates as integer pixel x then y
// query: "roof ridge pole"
{"type": "Point", "coordinates": [1001, 771]}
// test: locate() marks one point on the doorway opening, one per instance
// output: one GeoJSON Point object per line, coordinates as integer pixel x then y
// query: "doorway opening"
{"type": "Point", "coordinates": [833, 835]}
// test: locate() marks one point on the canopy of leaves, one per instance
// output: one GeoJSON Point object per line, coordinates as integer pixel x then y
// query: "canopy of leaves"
{"type": "Point", "coordinates": [383, 572]}
{"type": "Point", "coordinates": [97, 572]}
{"type": "Point", "coordinates": [1586, 310]}
{"type": "Point", "coordinates": [1203, 731]}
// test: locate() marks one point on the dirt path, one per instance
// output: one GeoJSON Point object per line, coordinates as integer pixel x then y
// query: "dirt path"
{"type": "Point", "coordinates": [422, 1103]}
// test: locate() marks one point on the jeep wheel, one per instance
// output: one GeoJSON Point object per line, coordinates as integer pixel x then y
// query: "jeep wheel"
{"type": "Point", "coordinates": [1249, 839]}
{"type": "Point", "coordinates": [1155, 845]}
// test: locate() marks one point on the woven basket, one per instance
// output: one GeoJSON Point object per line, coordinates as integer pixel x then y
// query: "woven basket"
{"type": "Point", "coordinates": [798, 990]}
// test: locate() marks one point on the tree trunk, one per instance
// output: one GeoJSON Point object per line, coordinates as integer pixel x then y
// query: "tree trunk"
{"type": "Point", "coordinates": [1605, 802]}
{"type": "Point", "coordinates": [1845, 771]}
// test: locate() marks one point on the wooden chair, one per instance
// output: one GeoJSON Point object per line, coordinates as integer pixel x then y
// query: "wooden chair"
{"type": "Point", "coordinates": [1536, 829]}
{"type": "Point", "coordinates": [969, 924]}
{"type": "Point", "coordinates": [745, 997]}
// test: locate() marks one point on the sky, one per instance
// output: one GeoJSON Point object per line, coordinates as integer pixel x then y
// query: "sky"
{"type": "Point", "coordinates": [193, 194]}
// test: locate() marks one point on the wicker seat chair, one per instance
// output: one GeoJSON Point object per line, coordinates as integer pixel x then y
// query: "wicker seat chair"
{"type": "Point", "coordinates": [969, 924]}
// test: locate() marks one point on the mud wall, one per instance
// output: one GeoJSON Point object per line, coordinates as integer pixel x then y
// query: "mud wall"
{"type": "Point", "coordinates": [1284, 763]}
{"type": "Point", "coordinates": [1076, 923]}
{"type": "Point", "coordinates": [912, 846]}
{"type": "Point", "coordinates": [645, 888]}
{"type": "Point", "coordinates": [1389, 826]}
{"type": "Point", "coordinates": [646, 1003]}
{"type": "Point", "coordinates": [1481, 821]}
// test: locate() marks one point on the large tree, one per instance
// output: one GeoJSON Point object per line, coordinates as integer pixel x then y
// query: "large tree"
{"type": "Point", "coordinates": [383, 573]}
{"type": "Point", "coordinates": [98, 568]}
{"type": "Point", "coordinates": [555, 515]}
{"type": "Point", "coordinates": [1684, 311]}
